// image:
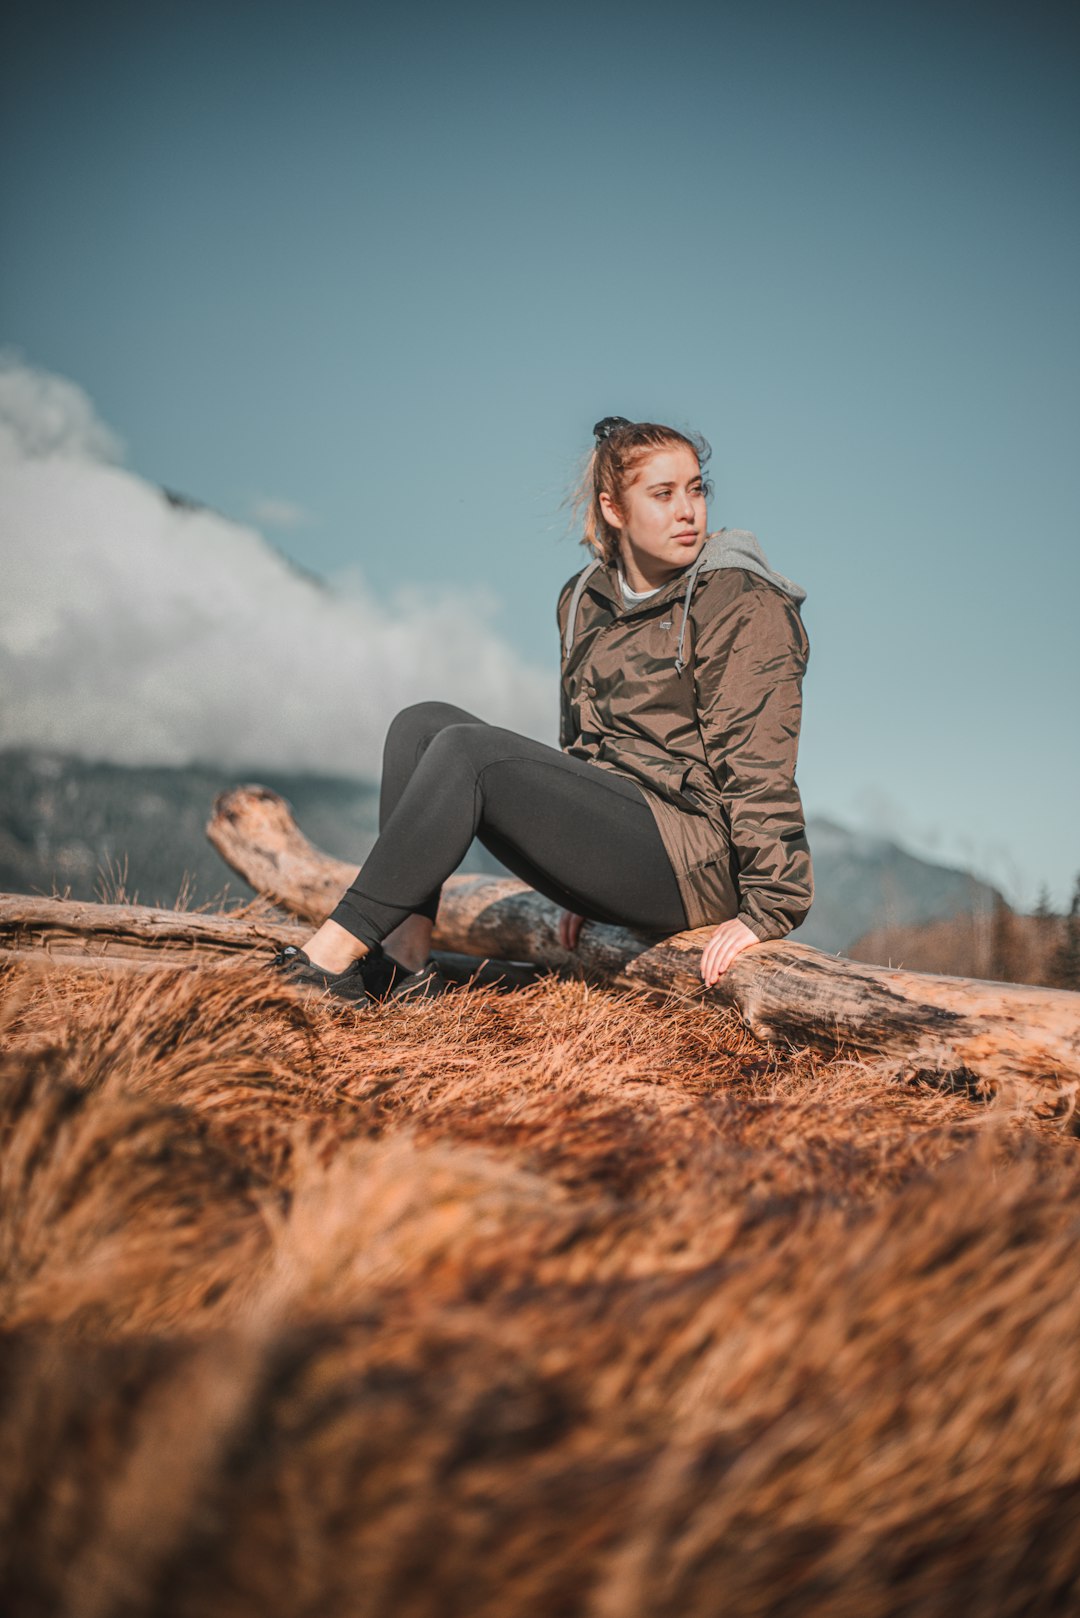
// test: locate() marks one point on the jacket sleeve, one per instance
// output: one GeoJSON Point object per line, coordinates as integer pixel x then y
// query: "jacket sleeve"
{"type": "Point", "coordinates": [749, 659]}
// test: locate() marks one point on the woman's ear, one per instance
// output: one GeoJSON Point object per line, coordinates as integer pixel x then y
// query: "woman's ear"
{"type": "Point", "coordinates": [612, 514]}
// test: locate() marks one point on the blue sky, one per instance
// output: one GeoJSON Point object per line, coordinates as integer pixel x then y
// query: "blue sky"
{"type": "Point", "coordinates": [369, 277]}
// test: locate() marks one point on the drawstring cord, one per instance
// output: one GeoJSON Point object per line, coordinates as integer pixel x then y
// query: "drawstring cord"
{"type": "Point", "coordinates": [680, 661]}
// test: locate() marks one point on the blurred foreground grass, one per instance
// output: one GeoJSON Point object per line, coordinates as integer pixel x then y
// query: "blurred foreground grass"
{"type": "Point", "coordinates": [547, 1302]}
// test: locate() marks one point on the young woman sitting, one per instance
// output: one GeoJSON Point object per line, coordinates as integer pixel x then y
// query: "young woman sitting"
{"type": "Point", "coordinates": [671, 801]}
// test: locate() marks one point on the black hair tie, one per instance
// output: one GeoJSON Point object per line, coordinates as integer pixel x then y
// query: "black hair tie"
{"type": "Point", "coordinates": [610, 424]}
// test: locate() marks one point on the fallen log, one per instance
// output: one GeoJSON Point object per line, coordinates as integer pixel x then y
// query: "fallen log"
{"type": "Point", "coordinates": [66, 932]}
{"type": "Point", "coordinates": [985, 1033]}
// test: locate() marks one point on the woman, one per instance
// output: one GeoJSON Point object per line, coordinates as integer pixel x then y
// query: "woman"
{"type": "Point", "coordinates": [671, 800]}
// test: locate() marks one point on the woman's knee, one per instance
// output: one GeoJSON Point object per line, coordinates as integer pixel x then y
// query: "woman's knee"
{"type": "Point", "coordinates": [460, 745]}
{"type": "Point", "coordinates": [415, 725]}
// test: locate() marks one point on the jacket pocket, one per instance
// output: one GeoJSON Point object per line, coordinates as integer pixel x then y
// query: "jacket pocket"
{"type": "Point", "coordinates": [714, 891]}
{"type": "Point", "coordinates": [667, 776]}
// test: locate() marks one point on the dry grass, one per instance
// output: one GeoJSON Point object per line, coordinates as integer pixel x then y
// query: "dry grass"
{"type": "Point", "coordinates": [541, 1303]}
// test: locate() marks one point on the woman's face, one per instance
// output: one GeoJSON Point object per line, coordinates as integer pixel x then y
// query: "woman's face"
{"type": "Point", "coordinates": [661, 518]}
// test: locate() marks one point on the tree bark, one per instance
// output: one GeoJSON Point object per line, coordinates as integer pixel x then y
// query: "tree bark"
{"type": "Point", "coordinates": [986, 1033]}
{"type": "Point", "coordinates": [68, 931]}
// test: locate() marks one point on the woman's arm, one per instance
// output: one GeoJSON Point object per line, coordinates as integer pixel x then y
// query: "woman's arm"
{"type": "Point", "coordinates": [749, 660]}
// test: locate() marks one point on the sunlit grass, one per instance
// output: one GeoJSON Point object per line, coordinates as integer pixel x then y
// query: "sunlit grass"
{"type": "Point", "coordinates": [543, 1302]}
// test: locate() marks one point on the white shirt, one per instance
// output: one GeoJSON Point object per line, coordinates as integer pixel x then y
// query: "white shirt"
{"type": "Point", "coordinates": [632, 598]}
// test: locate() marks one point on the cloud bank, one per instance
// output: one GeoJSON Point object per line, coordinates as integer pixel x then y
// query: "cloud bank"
{"type": "Point", "coordinates": [139, 631]}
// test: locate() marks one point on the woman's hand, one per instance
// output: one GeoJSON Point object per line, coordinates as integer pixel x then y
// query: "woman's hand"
{"type": "Point", "coordinates": [569, 929]}
{"type": "Point", "coordinates": [729, 940]}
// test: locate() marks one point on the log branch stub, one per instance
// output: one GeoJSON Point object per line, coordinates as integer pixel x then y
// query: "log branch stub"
{"type": "Point", "coordinates": [254, 831]}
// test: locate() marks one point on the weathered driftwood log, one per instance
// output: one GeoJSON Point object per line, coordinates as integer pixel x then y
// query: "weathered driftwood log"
{"type": "Point", "coordinates": [129, 937]}
{"type": "Point", "coordinates": [66, 930]}
{"type": "Point", "coordinates": [786, 992]}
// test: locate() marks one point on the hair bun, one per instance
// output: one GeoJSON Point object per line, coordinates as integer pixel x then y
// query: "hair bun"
{"type": "Point", "coordinates": [610, 424]}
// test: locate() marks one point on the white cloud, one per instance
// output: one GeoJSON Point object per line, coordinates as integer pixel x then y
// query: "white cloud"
{"type": "Point", "coordinates": [274, 513]}
{"type": "Point", "coordinates": [44, 416]}
{"type": "Point", "coordinates": [139, 632]}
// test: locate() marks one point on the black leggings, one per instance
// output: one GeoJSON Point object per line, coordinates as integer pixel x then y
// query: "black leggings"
{"type": "Point", "coordinates": [583, 836]}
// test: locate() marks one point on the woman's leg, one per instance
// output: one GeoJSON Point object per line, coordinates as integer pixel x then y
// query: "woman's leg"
{"type": "Point", "coordinates": [408, 737]}
{"type": "Point", "coordinates": [580, 834]}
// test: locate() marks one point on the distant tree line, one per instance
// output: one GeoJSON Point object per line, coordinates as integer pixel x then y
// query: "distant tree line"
{"type": "Point", "coordinates": [1043, 947]}
{"type": "Point", "coordinates": [1064, 970]}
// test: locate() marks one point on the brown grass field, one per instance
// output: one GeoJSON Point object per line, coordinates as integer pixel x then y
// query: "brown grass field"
{"type": "Point", "coordinates": [551, 1302]}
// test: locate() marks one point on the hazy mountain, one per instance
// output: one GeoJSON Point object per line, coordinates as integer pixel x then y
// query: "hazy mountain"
{"type": "Point", "coordinates": [65, 824]}
{"type": "Point", "coordinates": [864, 883]}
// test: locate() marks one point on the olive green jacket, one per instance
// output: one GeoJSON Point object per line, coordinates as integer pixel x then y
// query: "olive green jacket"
{"type": "Point", "coordinates": [696, 693]}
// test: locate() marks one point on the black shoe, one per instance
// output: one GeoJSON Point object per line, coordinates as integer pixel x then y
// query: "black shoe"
{"type": "Point", "coordinates": [375, 976]}
{"type": "Point", "coordinates": [422, 985]}
{"type": "Point", "coordinates": [372, 977]}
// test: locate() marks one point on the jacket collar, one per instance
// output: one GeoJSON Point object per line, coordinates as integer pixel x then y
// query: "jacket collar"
{"type": "Point", "coordinates": [604, 582]}
{"type": "Point", "coordinates": [729, 547]}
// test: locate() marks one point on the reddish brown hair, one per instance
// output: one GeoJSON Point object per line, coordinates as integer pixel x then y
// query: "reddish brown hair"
{"type": "Point", "coordinates": [610, 470]}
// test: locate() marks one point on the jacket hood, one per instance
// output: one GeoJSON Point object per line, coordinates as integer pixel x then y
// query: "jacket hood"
{"type": "Point", "coordinates": [730, 547]}
{"type": "Point", "coordinates": [738, 547]}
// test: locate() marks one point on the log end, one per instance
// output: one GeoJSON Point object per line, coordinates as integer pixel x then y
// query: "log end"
{"type": "Point", "coordinates": [239, 805]}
